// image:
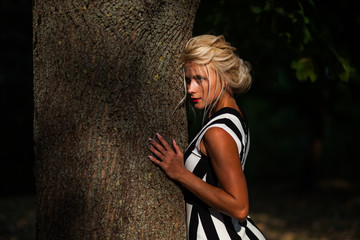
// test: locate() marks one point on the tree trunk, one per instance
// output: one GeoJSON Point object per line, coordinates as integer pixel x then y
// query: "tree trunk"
{"type": "Point", "coordinates": [104, 81]}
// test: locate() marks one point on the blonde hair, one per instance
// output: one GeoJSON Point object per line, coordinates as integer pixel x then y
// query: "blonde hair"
{"type": "Point", "coordinates": [214, 52]}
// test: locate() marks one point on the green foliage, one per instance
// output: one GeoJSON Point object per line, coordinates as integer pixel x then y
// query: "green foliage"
{"type": "Point", "coordinates": [304, 69]}
{"type": "Point", "coordinates": [304, 35]}
{"type": "Point", "coordinates": [348, 69]}
{"type": "Point", "coordinates": [305, 60]}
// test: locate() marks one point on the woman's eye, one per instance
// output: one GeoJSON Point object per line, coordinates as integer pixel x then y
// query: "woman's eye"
{"type": "Point", "coordinates": [198, 78]}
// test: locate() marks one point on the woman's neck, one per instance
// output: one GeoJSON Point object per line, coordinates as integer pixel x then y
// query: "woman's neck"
{"type": "Point", "coordinates": [227, 100]}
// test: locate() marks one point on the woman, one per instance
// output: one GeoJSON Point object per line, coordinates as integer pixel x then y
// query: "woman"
{"type": "Point", "coordinates": [211, 170]}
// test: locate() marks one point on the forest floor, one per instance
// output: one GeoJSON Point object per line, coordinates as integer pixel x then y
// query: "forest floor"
{"type": "Point", "coordinates": [329, 211]}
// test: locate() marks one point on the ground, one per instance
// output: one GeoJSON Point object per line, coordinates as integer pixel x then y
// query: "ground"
{"type": "Point", "coordinates": [329, 211]}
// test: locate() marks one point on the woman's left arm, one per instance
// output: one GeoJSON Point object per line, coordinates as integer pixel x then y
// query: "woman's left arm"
{"type": "Point", "coordinates": [223, 153]}
{"type": "Point", "coordinates": [232, 197]}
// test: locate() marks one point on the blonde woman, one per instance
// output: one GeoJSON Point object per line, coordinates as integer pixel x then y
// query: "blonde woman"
{"type": "Point", "coordinates": [211, 170]}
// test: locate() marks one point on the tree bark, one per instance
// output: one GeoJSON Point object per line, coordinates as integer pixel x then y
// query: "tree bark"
{"type": "Point", "coordinates": [104, 81]}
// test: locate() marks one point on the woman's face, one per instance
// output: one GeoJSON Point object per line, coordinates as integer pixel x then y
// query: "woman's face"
{"type": "Point", "coordinates": [199, 80]}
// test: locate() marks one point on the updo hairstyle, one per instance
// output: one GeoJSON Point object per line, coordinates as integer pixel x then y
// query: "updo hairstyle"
{"type": "Point", "coordinates": [214, 51]}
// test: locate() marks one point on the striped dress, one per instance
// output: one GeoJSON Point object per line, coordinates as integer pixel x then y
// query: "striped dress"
{"type": "Point", "coordinates": [204, 222]}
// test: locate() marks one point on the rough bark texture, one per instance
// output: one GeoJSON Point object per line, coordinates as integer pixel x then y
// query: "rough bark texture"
{"type": "Point", "coordinates": [104, 81]}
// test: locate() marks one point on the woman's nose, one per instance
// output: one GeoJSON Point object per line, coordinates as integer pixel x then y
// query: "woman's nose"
{"type": "Point", "coordinates": [191, 87]}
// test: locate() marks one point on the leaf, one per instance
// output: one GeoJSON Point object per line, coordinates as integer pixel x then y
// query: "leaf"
{"type": "Point", "coordinates": [304, 69]}
{"type": "Point", "coordinates": [307, 35]}
{"type": "Point", "coordinates": [267, 6]}
{"type": "Point", "coordinates": [280, 11]}
{"type": "Point", "coordinates": [312, 2]}
{"type": "Point", "coordinates": [286, 36]}
{"type": "Point", "coordinates": [348, 70]}
{"type": "Point", "coordinates": [255, 9]}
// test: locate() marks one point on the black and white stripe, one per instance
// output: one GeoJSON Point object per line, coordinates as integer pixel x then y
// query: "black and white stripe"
{"type": "Point", "coordinates": [204, 222]}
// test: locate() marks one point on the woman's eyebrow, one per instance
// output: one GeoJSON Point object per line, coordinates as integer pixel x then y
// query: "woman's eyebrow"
{"type": "Point", "coordinates": [199, 76]}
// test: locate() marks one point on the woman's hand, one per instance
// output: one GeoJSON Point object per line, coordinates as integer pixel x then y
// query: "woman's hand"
{"type": "Point", "coordinates": [170, 161]}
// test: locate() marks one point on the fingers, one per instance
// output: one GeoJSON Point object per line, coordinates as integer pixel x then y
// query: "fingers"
{"type": "Point", "coordinates": [164, 147]}
{"type": "Point", "coordinates": [176, 147]}
{"type": "Point", "coordinates": [156, 152]}
{"type": "Point", "coordinates": [157, 146]}
{"type": "Point", "coordinates": [163, 142]}
{"type": "Point", "coordinates": [154, 160]}
{"type": "Point", "coordinates": [170, 161]}
{"type": "Point", "coordinates": [163, 151]}
{"type": "Point", "coordinates": [158, 149]}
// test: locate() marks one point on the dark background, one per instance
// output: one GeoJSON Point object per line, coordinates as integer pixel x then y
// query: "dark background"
{"type": "Point", "coordinates": [295, 193]}
{"type": "Point", "coordinates": [288, 115]}
{"type": "Point", "coordinates": [16, 98]}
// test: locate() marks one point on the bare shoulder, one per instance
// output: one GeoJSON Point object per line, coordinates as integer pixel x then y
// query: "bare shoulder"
{"type": "Point", "coordinates": [214, 134]}
{"type": "Point", "coordinates": [217, 139]}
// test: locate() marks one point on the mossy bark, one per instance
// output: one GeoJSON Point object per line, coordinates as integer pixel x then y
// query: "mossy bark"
{"type": "Point", "coordinates": [104, 81]}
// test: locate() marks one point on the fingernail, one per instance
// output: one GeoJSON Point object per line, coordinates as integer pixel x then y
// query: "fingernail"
{"type": "Point", "coordinates": [158, 134]}
{"type": "Point", "coordinates": [151, 140]}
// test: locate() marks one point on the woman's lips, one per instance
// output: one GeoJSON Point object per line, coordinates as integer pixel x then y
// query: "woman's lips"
{"type": "Point", "coordinates": [195, 100]}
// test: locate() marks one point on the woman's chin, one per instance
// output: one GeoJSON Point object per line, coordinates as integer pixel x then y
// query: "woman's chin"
{"type": "Point", "coordinates": [198, 107]}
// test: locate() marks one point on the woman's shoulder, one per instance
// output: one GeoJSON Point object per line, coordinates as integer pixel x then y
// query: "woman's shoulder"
{"type": "Point", "coordinates": [216, 138]}
{"type": "Point", "coordinates": [227, 115]}
{"type": "Point", "coordinates": [226, 121]}
{"type": "Point", "coordinates": [216, 134]}
{"type": "Point", "coordinates": [228, 111]}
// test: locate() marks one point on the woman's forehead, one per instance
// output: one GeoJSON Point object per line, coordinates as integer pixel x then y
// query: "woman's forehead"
{"type": "Point", "coordinates": [193, 69]}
